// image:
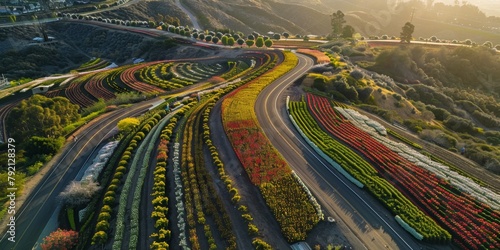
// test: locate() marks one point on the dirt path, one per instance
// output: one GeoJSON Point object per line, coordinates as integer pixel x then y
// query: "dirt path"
{"type": "Point", "coordinates": [243, 240]}
{"type": "Point", "coordinates": [146, 223]}
{"type": "Point", "coordinates": [250, 194]}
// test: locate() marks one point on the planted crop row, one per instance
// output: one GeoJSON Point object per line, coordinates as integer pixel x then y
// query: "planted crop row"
{"type": "Point", "coordinates": [127, 77]}
{"type": "Point", "coordinates": [102, 227]}
{"type": "Point", "coordinates": [162, 234]}
{"type": "Point", "coordinates": [367, 175]}
{"type": "Point", "coordinates": [403, 139]}
{"type": "Point", "coordinates": [112, 78]}
{"type": "Point", "coordinates": [319, 56]}
{"type": "Point", "coordinates": [194, 207]}
{"type": "Point", "coordinates": [95, 64]}
{"type": "Point", "coordinates": [164, 81]}
{"type": "Point", "coordinates": [473, 223]}
{"type": "Point", "coordinates": [263, 164]}
{"type": "Point", "coordinates": [232, 190]}
{"type": "Point", "coordinates": [76, 94]}
{"type": "Point", "coordinates": [134, 182]}
{"type": "Point", "coordinates": [96, 88]}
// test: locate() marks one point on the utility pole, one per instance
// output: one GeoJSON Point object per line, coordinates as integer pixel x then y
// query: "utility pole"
{"type": "Point", "coordinates": [412, 14]}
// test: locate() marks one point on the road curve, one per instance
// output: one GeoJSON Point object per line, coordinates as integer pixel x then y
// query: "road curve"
{"type": "Point", "coordinates": [34, 214]}
{"type": "Point", "coordinates": [364, 222]}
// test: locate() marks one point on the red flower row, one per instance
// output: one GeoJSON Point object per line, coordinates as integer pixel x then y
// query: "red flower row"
{"type": "Point", "coordinates": [472, 223]}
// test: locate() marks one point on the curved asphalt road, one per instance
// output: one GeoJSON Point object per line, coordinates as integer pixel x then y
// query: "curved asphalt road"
{"type": "Point", "coordinates": [366, 223]}
{"type": "Point", "coordinates": [34, 214]}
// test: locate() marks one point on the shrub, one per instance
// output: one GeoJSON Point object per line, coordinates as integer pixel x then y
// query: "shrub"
{"type": "Point", "coordinates": [60, 239]}
{"type": "Point", "coordinates": [109, 201]}
{"type": "Point", "coordinates": [104, 216]}
{"type": "Point", "coordinates": [252, 229]}
{"type": "Point", "coordinates": [357, 74]}
{"type": "Point", "coordinates": [261, 244]}
{"type": "Point", "coordinates": [106, 208]}
{"type": "Point", "coordinates": [102, 225]}
{"type": "Point", "coordinates": [99, 238]}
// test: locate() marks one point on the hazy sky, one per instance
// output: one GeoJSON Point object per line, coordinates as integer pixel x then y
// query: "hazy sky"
{"type": "Point", "coordinates": [490, 7]}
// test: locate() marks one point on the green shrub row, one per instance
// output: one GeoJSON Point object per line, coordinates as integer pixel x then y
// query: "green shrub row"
{"type": "Point", "coordinates": [386, 193]}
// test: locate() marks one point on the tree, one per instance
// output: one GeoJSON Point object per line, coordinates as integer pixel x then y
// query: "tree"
{"type": "Point", "coordinates": [230, 41]}
{"type": "Point", "coordinates": [276, 36]}
{"type": "Point", "coordinates": [268, 43]}
{"type": "Point", "coordinates": [240, 42]}
{"type": "Point", "coordinates": [43, 146]}
{"type": "Point", "coordinates": [250, 42]}
{"type": "Point", "coordinates": [488, 44]}
{"type": "Point", "coordinates": [259, 42]}
{"type": "Point", "coordinates": [224, 40]}
{"type": "Point", "coordinates": [348, 31]}
{"type": "Point", "coordinates": [406, 34]}
{"type": "Point", "coordinates": [41, 116]}
{"type": "Point", "coordinates": [337, 21]}
{"type": "Point", "coordinates": [60, 239]}
{"type": "Point", "coordinates": [128, 124]}
{"type": "Point", "coordinates": [285, 35]}
{"type": "Point", "coordinates": [208, 38]}
{"type": "Point", "coordinates": [215, 39]}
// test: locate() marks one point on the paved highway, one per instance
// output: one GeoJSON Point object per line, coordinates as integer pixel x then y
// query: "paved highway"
{"type": "Point", "coordinates": [34, 214]}
{"type": "Point", "coordinates": [366, 223]}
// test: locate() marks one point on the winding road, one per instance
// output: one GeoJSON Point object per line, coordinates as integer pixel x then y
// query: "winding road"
{"type": "Point", "coordinates": [36, 210]}
{"type": "Point", "coordinates": [363, 220]}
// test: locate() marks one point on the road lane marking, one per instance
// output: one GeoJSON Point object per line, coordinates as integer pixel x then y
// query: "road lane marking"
{"type": "Point", "coordinates": [311, 153]}
{"type": "Point", "coordinates": [74, 158]}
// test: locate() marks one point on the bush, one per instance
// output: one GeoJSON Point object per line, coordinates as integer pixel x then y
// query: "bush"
{"type": "Point", "coordinates": [60, 239]}
{"type": "Point", "coordinates": [106, 209]}
{"type": "Point", "coordinates": [102, 225]}
{"type": "Point", "coordinates": [109, 201]}
{"type": "Point", "coordinates": [357, 74]}
{"type": "Point", "coordinates": [99, 238]}
{"type": "Point", "coordinates": [104, 216]}
{"type": "Point", "coordinates": [260, 244]}
{"type": "Point", "coordinates": [460, 125]}
{"type": "Point", "coordinates": [252, 229]}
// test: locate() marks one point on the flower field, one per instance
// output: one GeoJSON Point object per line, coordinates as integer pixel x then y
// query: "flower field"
{"type": "Point", "coordinates": [473, 224]}
{"type": "Point", "coordinates": [363, 172]}
{"type": "Point", "coordinates": [77, 94]}
{"type": "Point", "coordinates": [319, 56]}
{"type": "Point", "coordinates": [264, 165]}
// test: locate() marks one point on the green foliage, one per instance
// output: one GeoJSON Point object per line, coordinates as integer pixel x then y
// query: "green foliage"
{"type": "Point", "coordinates": [128, 124]}
{"type": "Point", "coordinates": [459, 124]}
{"type": "Point", "coordinates": [260, 244]}
{"type": "Point", "coordinates": [348, 31]}
{"type": "Point", "coordinates": [250, 42]}
{"type": "Point", "coordinates": [259, 42]}
{"type": "Point", "coordinates": [268, 43]}
{"type": "Point", "coordinates": [406, 34]}
{"type": "Point", "coordinates": [99, 238]}
{"type": "Point", "coordinates": [439, 113]}
{"type": "Point", "coordinates": [44, 146]}
{"type": "Point", "coordinates": [366, 174]}
{"type": "Point", "coordinates": [337, 21]}
{"type": "Point", "coordinates": [41, 116]}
